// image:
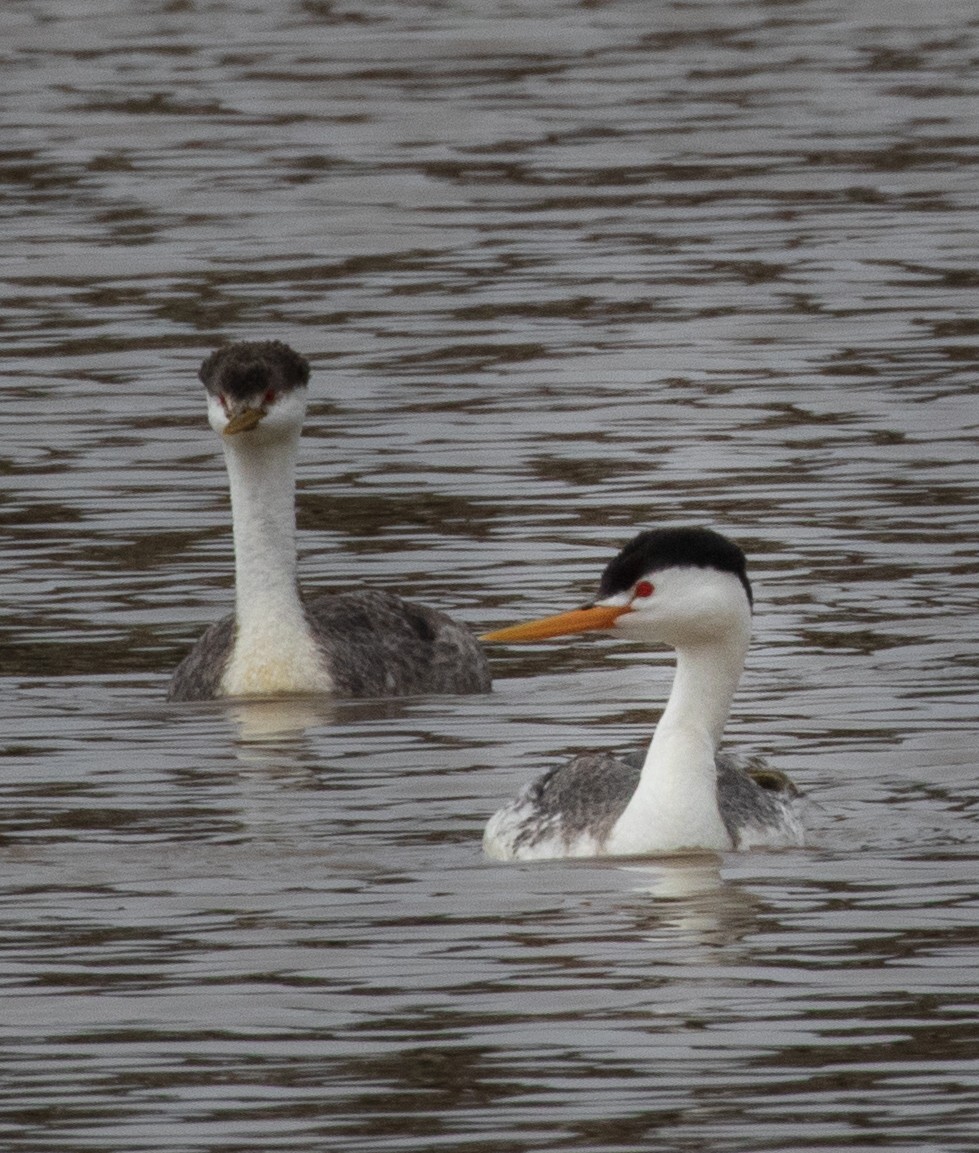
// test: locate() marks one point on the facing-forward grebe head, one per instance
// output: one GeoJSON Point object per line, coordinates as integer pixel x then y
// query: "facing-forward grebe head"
{"type": "Point", "coordinates": [256, 389]}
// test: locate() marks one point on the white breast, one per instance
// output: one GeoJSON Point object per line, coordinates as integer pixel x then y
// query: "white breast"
{"type": "Point", "coordinates": [272, 657]}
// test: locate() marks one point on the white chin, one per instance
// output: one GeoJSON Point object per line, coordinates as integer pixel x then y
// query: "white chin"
{"type": "Point", "coordinates": [217, 418]}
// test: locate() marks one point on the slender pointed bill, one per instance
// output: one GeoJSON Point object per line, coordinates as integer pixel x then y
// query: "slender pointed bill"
{"type": "Point", "coordinates": [577, 621]}
{"type": "Point", "coordinates": [243, 421]}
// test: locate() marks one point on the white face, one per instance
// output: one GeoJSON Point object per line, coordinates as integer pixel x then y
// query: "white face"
{"type": "Point", "coordinates": [683, 606]}
{"type": "Point", "coordinates": [283, 415]}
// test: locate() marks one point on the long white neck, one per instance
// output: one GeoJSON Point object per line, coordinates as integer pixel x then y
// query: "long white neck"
{"type": "Point", "coordinates": [675, 804]}
{"type": "Point", "coordinates": [274, 649]}
{"type": "Point", "coordinates": [263, 479]}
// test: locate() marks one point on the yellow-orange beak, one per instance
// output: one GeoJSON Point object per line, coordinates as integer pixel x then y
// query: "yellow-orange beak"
{"type": "Point", "coordinates": [244, 420]}
{"type": "Point", "coordinates": [577, 621]}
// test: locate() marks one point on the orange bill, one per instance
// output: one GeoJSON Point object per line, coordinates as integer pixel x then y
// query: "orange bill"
{"type": "Point", "coordinates": [244, 420]}
{"type": "Point", "coordinates": [577, 621]}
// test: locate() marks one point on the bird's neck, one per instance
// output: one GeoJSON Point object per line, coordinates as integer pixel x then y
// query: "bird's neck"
{"type": "Point", "coordinates": [675, 804]}
{"type": "Point", "coordinates": [262, 478]}
{"type": "Point", "coordinates": [274, 647]}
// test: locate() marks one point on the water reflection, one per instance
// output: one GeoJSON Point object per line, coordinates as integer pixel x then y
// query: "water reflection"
{"type": "Point", "coordinates": [263, 721]}
{"type": "Point", "coordinates": [691, 900]}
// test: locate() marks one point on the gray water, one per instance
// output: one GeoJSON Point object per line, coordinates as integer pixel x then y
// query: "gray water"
{"type": "Point", "coordinates": [564, 271]}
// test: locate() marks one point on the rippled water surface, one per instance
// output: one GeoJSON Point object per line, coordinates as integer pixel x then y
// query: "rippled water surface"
{"type": "Point", "coordinates": [563, 270]}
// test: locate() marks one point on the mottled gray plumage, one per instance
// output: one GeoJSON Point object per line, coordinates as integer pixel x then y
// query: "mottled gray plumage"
{"type": "Point", "coordinates": [374, 643]}
{"type": "Point", "coordinates": [198, 676]}
{"type": "Point", "coordinates": [588, 795]}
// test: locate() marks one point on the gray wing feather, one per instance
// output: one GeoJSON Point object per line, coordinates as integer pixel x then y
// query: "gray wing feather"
{"type": "Point", "coordinates": [198, 676]}
{"type": "Point", "coordinates": [378, 645]}
{"type": "Point", "coordinates": [752, 795]}
{"type": "Point", "coordinates": [584, 797]}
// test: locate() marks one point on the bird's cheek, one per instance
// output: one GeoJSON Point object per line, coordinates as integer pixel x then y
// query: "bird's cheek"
{"type": "Point", "coordinates": [632, 623]}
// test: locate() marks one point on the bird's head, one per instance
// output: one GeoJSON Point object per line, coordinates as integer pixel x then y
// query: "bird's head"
{"type": "Point", "coordinates": [675, 586]}
{"type": "Point", "coordinates": [256, 389]}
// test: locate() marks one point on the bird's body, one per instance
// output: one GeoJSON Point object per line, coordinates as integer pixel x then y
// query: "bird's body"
{"type": "Point", "coordinates": [363, 643]}
{"type": "Point", "coordinates": [369, 644]}
{"type": "Point", "coordinates": [572, 810]}
{"type": "Point", "coordinates": [687, 588]}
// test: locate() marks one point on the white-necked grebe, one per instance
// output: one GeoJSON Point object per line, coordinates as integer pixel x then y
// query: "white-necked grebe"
{"type": "Point", "coordinates": [363, 643]}
{"type": "Point", "coordinates": [687, 588]}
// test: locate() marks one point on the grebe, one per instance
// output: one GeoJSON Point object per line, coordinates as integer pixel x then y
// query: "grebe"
{"type": "Point", "coordinates": [687, 588]}
{"type": "Point", "coordinates": [357, 644]}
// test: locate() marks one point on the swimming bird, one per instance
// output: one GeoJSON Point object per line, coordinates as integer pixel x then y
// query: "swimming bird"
{"type": "Point", "coordinates": [687, 588]}
{"type": "Point", "coordinates": [363, 643]}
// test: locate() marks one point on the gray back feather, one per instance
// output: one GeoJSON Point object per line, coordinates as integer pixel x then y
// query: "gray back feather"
{"type": "Point", "coordinates": [198, 676]}
{"type": "Point", "coordinates": [378, 645]}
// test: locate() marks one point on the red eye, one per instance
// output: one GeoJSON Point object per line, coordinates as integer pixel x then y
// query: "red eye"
{"type": "Point", "coordinates": [643, 589]}
{"type": "Point", "coordinates": [269, 396]}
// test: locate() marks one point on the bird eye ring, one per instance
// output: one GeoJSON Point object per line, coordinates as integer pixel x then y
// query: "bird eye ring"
{"type": "Point", "coordinates": [644, 589]}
